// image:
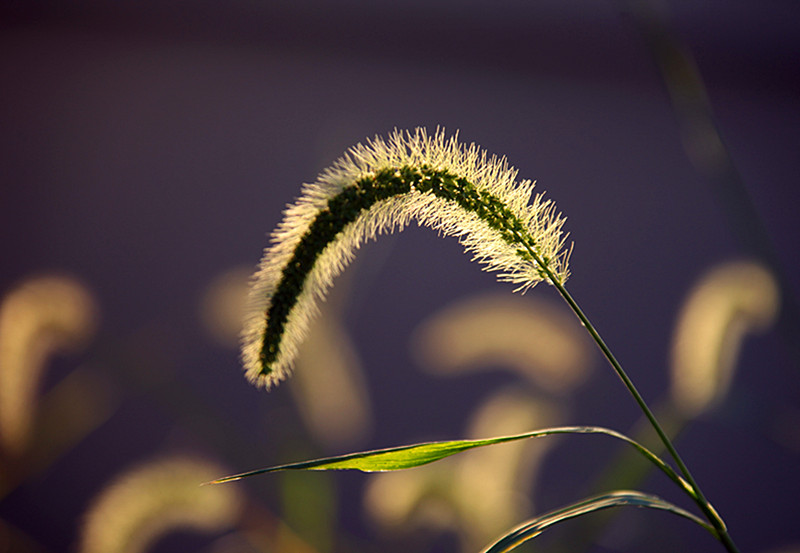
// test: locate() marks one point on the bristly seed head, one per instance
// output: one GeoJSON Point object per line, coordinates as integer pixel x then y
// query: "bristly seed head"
{"type": "Point", "coordinates": [378, 187]}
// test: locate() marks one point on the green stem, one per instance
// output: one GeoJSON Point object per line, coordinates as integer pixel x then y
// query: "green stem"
{"type": "Point", "coordinates": [694, 491]}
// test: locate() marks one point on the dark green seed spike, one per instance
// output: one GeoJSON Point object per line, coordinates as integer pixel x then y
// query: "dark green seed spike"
{"type": "Point", "coordinates": [347, 205]}
{"type": "Point", "coordinates": [342, 210]}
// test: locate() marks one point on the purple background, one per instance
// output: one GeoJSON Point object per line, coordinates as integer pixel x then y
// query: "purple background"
{"type": "Point", "coordinates": [148, 146]}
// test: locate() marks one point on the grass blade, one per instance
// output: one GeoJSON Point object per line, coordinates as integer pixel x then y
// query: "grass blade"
{"type": "Point", "coordinates": [410, 456]}
{"type": "Point", "coordinates": [538, 525]}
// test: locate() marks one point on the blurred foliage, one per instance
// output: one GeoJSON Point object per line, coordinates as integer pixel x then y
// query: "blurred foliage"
{"type": "Point", "coordinates": [729, 301]}
{"type": "Point", "coordinates": [142, 504]}
{"type": "Point", "coordinates": [533, 340]}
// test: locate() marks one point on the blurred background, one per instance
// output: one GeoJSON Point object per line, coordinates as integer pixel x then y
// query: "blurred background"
{"type": "Point", "coordinates": [147, 149]}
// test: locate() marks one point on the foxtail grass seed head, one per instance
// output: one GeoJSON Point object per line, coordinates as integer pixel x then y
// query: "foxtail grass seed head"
{"type": "Point", "coordinates": [730, 301]}
{"type": "Point", "coordinates": [529, 336]}
{"type": "Point", "coordinates": [142, 505]}
{"type": "Point", "coordinates": [378, 187]}
{"type": "Point", "coordinates": [39, 317]}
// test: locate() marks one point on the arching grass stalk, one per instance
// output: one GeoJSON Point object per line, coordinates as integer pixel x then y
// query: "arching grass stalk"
{"type": "Point", "coordinates": [694, 490]}
{"type": "Point", "coordinates": [384, 185]}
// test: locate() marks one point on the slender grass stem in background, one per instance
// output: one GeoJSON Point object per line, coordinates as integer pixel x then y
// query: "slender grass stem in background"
{"type": "Point", "coordinates": [459, 191]}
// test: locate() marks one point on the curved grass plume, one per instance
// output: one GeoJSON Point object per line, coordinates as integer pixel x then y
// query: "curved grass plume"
{"type": "Point", "coordinates": [147, 502]}
{"type": "Point", "coordinates": [530, 337]}
{"type": "Point", "coordinates": [459, 191]}
{"type": "Point", "coordinates": [39, 317]}
{"type": "Point", "coordinates": [730, 301]}
{"type": "Point", "coordinates": [384, 185]}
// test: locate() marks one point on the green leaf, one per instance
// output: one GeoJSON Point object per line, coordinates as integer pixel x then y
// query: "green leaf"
{"type": "Point", "coordinates": [538, 525]}
{"type": "Point", "coordinates": [409, 456]}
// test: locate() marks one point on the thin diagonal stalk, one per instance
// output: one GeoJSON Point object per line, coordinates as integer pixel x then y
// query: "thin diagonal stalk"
{"type": "Point", "coordinates": [694, 491]}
